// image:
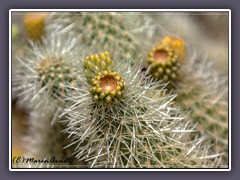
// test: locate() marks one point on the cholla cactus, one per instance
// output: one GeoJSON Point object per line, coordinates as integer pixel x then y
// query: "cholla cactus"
{"type": "Point", "coordinates": [203, 91]}
{"type": "Point", "coordinates": [102, 31]}
{"type": "Point", "coordinates": [34, 23]}
{"type": "Point", "coordinates": [41, 84]}
{"type": "Point", "coordinates": [166, 58]}
{"type": "Point", "coordinates": [114, 115]}
{"type": "Point", "coordinates": [97, 63]}
{"type": "Point", "coordinates": [46, 141]}
{"type": "Point", "coordinates": [106, 84]}
{"type": "Point", "coordinates": [136, 129]}
{"type": "Point", "coordinates": [197, 87]}
{"type": "Point", "coordinates": [41, 75]}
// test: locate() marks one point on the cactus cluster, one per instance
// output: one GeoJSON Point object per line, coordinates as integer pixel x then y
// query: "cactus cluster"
{"type": "Point", "coordinates": [105, 84]}
{"type": "Point", "coordinates": [55, 73]}
{"type": "Point", "coordinates": [197, 87]}
{"type": "Point", "coordinates": [104, 31]}
{"type": "Point", "coordinates": [35, 23]}
{"type": "Point", "coordinates": [46, 140]}
{"type": "Point", "coordinates": [112, 109]}
{"type": "Point", "coordinates": [165, 59]}
{"type": "Point", "coordinates": [40, 83]}
{"type": "Point", "coordinates": [135, 131]}
{"type": "Point", "coordinates": [44, 70]}
{"type": "Point", "coordinates": [97, 63]}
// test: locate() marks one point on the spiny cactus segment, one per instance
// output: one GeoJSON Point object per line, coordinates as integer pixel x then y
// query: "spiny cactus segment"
{"type": "Point", "coordinates": [97, 63]}
{"type": "Point", "coordinates": [166, 57]}
{"type": "Point", "coordinates": [56, 74]}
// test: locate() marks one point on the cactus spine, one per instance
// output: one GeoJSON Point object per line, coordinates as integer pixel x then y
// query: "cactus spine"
{"type": "Point", "coordinates": [135, 130]}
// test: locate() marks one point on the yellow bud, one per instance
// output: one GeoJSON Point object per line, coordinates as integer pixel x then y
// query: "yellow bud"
{"type": "Point", "coordinates": [165, 77]}
{"type": "Point", "coordinates": [167, 40]}
{"type": "Point", "coordinates": [113, 93]}
{"type": "Point", "coordinates": [105, 72]}
{"type": "Point", "coordinates": [118, 77]}
{"type": "Point", "coordinates": [118, 88]}
{"type": "Point", "coordinates": [89, 64]}
{"type": "Point", "coordinates": [108, 60]}
{"type": "Point", "coordinates": [96, 58]}
{"type": "Point", "coordinates": [94, 82]}
{"type": "Point", "coordinates": [150, 54]}
{"type": "Point", "coordinates": [102, 56]}
{"type": "Point", "coordinates": [98, 90]}
{"type": "Point", "coordinates": [92, 57]}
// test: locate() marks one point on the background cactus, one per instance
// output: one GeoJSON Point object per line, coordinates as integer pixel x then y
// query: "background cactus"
{"type": "Point", "coordinates": [41, 86]}
{"type": "Point", "coordinates": [117, 116]}
{"type": "Point", "coordinates": [44, 70]}
{"type": "Point", "coordinates": [198, 87]}
{"type": "Point", "coordinates": [34, 23]}
{"type": "Point", "coordinates": [166, 58]}
{"type": "Point", "coordinates": [204, 93]}
{"type": "Point", "coordinates": [103, 31]}
{"type": "Point", "coordinates": [46, 141]}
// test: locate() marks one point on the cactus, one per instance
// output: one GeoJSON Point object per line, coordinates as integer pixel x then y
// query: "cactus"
{"type": "Point", "coordinates": [104, 31]}
{"type": "Point", "coordinates": [204, 93]}
{"type": "Point", "coordinates": [105, 110]}
{"type": "Point", "coordinates": [95, 64]}
{"type": "Point", "coordinates": [46, 141]}
{"type": "Point", "coordinates": [132, 130]}
{"type": "Point", "coordinates": [165, 59]}
{"type": "Point", "coordinates": [34, 23]}
{"type": "Point", "coordinates": [41, 86]}
{"type": "Point", "coordinates": [44, 70]}
{"type": "Point", "coordinates": [197, 87]}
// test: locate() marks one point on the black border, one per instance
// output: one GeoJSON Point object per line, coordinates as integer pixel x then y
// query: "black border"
{"type": "Point", "coordinates": [5, 5]}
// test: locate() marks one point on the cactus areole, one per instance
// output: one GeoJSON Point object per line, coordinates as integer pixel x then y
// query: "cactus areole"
{"type": "Point", "coordinates": [108, 83]}
{"type": "Point", "coordinates": [160, 56]}
{"type": "Point", "coordinates": [107, 86]}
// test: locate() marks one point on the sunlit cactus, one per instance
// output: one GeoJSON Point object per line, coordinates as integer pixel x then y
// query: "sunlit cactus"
{"type": "Point", "coordinates": [150, 104]}
{"type": "Point", "coordinates": [138, 129]}
{"type": "Point", "coordinates": [166, 58]}
{"type": "Point", "coordinates": [97, 63]}
{"type": "Point", "coordinates": [197, 86]}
